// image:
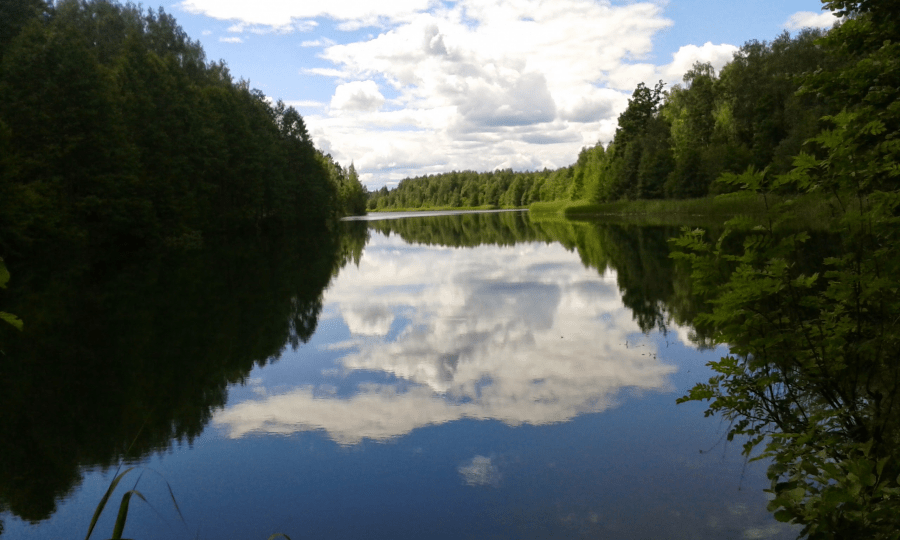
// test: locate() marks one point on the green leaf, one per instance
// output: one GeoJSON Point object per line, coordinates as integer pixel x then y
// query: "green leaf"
{"type": "Point", "coordinates": [783, 516]}
{"type": "Point", "coordinates": [104, 499]}
{"type": "Point", "coordinates": [119, 527]}
{"type": "Point", "coordinates": [11, 319]}
{"type": "Point", "coordinates": [809, 468]}
{"type": "Point", "coordinates": [796, 494]}
{"type": "Point", "coordinates": [836, 496]}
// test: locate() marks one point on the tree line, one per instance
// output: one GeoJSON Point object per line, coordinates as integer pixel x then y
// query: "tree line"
{"type": "Point", "coordinates": [116, 130]}
{"type": "Point", "coordinates": [470, 189]}
{"type": "Point", "coordinates": [669, 143]}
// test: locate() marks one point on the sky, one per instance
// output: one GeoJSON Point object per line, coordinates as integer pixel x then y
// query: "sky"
{"type": "Point", "coordinates": [404, 88]}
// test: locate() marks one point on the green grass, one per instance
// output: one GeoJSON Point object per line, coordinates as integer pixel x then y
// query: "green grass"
{"type": "Point", "coordinates": [809, 210]}
{"type": "Point", "coordinates": [552, 208]}
{"type": "Point", "coordinates": [446, 208]}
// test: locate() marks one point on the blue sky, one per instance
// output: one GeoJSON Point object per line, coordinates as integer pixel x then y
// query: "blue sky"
{"type": "Point", "coordinates": [410, 87]}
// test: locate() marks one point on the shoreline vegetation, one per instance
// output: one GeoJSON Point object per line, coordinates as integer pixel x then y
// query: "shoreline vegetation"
{"type": "Point", "coordinates": [809, 211]}
{"type": "Point", "coordinates": [447, 208]}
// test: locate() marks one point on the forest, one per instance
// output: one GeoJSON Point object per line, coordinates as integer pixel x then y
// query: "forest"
{"type": "Point", "coordinates": [115, 130]}
{"type": "Point", "coordinates": [670, 143]}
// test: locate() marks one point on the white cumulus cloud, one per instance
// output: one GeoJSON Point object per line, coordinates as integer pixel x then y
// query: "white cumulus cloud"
{"type": "Point", "coordinates": [357, 96]}
{"type": "Point", "coordinates": [471, 84]}
{"type": "Point", "coordinates": [684, 59]}
{"type": "Point", "coordinates": [282, 13]}
{"type": "Point", "coordinates": [810, 19]}
{"type": "Point", "coordinates": [525, 82]}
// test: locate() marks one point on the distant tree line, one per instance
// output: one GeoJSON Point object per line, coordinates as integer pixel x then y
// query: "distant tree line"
{"type": "Point", "coordinates": [115, 130]}
{"type": "Point", "coordinates": [500, 188]}
{"type": "Point", "coordinates": [668, 144]}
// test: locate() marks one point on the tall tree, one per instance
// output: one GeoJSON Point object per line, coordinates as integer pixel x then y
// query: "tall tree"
{"type": "Point", "coordinates": [628, 145]}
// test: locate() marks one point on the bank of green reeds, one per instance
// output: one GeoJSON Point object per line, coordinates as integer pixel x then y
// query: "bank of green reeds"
{"type": "Point", "coordinates": [444, 208]}
{"type": "Point", "coordinates": [809, 210]}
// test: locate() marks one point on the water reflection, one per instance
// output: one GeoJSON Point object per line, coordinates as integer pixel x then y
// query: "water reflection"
{"type": "Point", "coordinates": [120, 359]}
{"type": "Point", "coordinates": [523, 334]}
{"type": "Point", "coordinates": [524, 324]}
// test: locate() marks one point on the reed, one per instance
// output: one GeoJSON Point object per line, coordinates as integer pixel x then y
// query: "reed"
{"type": "Point", "coordinates": [124, 505]}
{"type": "Point", "coordinates": [439, 208]}
{"type": "Point", "coordinates": [810, 211]}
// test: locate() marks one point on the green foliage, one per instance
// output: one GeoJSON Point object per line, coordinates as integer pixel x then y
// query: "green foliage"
{"type": "Point", "coordinates": [813, 375]}
{"type": "Point", "coordinates": [640, 156]}
{"type": "Point", "coordinates": [114, 130]}
{"type": "Point", "coordinates": [4, 316]}
{"type": "Point", "coordinates": [352, 195]}
{"type": "Point", "coordinates": [812, 371]}
{"type": "Point", "coordinates": [468, 189]}
{"type": "Point", "coordinates": [15, 14]}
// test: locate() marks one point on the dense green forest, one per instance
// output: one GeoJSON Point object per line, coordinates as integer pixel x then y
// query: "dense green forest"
{"type": "Point", "coordinates": [469, 189]}
{"type": "Point", "coordinates": [669, 143]}
{"type": "Point", "coordinates": [116, 130]}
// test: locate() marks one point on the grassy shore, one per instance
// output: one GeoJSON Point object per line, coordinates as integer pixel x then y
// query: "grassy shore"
{"type": "Point", "coordinates": [807, 209]}
{"type": "Point", "coordinates": [446, 208]}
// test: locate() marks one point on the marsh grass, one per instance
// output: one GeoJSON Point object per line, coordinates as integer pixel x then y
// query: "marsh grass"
{"type": "Point", "coordinates": [119, 526]}
{"type": "Point", "coordinates": [808, 211]}
{"type": "Point", "coordinates": [446, 208]}
{"type": "Point", "coordinates": [124, 505]}
{"type": "Point", "coordinates": [552, 207]}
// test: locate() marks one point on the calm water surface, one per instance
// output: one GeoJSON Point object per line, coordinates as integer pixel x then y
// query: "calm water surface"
{"type": "Point", "coordinates": [468, 377]}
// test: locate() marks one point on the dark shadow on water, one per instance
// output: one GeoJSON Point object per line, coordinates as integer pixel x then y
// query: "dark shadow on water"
{"type": "Point", "coordinates": [120, 359]}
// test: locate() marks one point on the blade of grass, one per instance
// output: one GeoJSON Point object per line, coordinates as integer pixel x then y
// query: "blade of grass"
{"type": "Point", "coordinates": [172, 496]}
{"type": "Point", "coordinates": [103, 501]}
{"type": "Point", "coordinates": [119, 527]}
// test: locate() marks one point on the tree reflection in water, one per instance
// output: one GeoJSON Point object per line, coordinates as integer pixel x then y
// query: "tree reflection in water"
{"type": "Point", "coordinates": [122, 359]}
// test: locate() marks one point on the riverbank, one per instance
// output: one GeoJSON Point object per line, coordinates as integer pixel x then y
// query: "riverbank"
{"type": "Point", "coordinates": [812, 210]}
{"type": "Point", "coordinates": [446, 208]}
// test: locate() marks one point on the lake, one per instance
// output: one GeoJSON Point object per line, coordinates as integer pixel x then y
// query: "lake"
{"type": "Point", "coordinates": [457, 375]}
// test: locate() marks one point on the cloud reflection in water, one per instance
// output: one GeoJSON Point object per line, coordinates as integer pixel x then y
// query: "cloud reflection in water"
{"type": "Point", "coordinates": [520, 334]}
